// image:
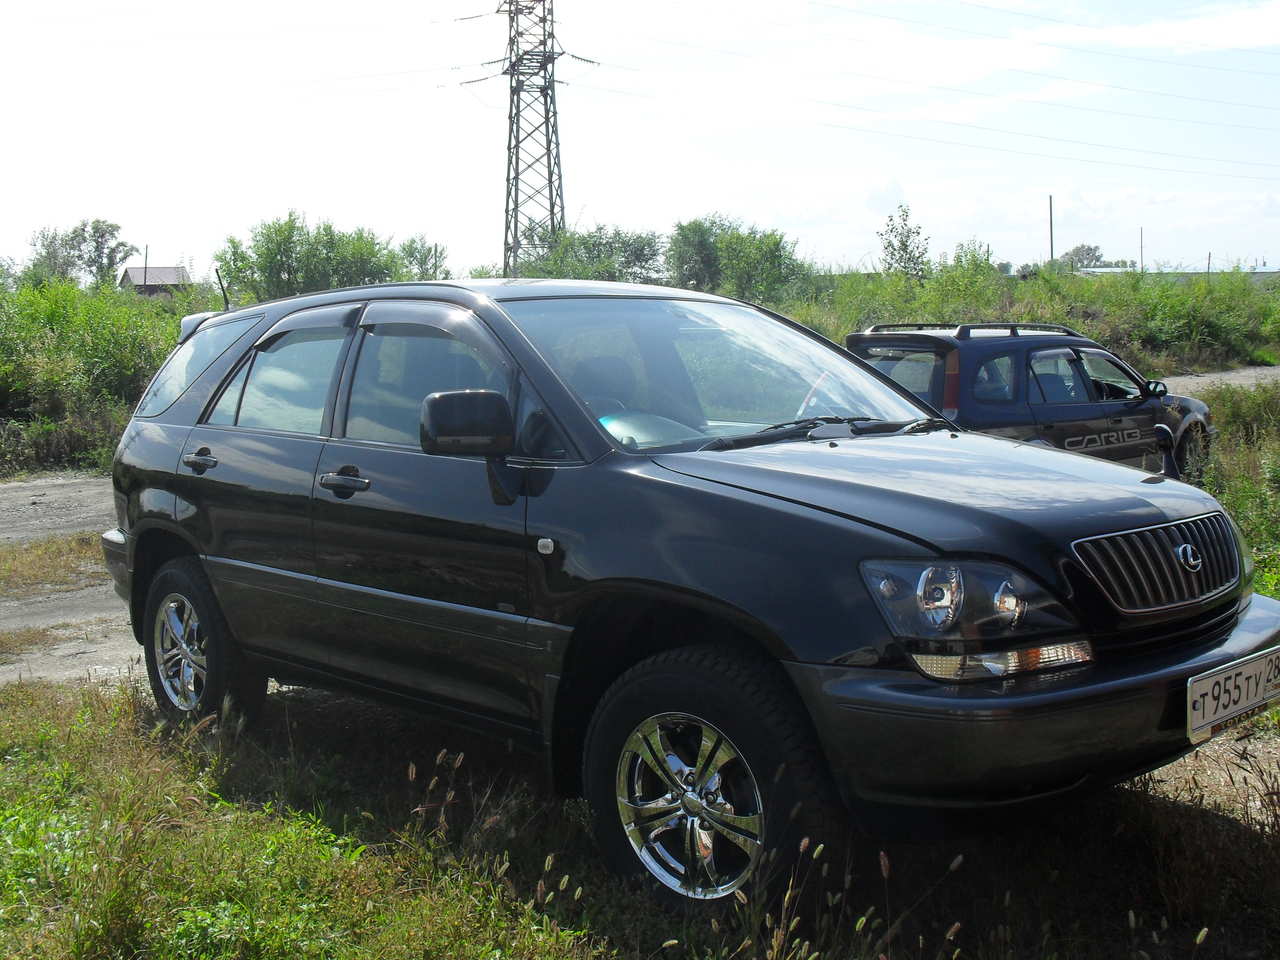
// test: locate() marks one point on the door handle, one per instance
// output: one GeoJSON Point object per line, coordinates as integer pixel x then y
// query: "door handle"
{"type": "Point", "coordinates": [1117, 420]}
{"type": "Point", "coordinates": [346, 481]}
{"type": "Point", "coordinates": [200, 461]}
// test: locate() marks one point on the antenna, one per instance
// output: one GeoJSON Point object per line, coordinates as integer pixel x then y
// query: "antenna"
{"type": "Point", "coordinates": [226, 304]}
{"type": "Point", "coordinates": [535, 190]}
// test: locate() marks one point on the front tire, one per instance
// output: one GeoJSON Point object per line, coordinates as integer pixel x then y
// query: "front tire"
{"type": "Point", "coordinates": [192, 661]}
{"type": "Point", "coordinates": [1192, 453]}
{"type": "Point", "coordinates": [699, 764]}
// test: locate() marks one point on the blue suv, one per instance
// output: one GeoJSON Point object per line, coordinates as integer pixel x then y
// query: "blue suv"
{"type": "Point", "coordinates": [1039, 382]}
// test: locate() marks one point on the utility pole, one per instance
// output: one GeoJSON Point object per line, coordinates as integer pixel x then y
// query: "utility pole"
{"type": "Point", "coordinates": [1142, 250]}
{"type": "Point", "coordinates": [535, 190]}
{"type": "Point", "coordinates": [1051, 226]}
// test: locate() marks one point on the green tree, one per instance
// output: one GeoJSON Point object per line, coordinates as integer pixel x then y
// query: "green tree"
{"type": "Point", "coordinates": [1083, 255]}
{"type": "Point", "coordinates": [756, 264]}
{"type": "Point", "coordinates": [99, 250]}
{"type": "Point", "coordinates": [903, 248]}
{"type": "Point", "coordinates": [424, 260]}
{"type": "Point", "coordinates": [55, 255]}
{"type": "Point", "coordinates": [605, 253]}
{"type": "Point", "coordinates": [285, 257]}
{"type": "Point", "coordinates": [692, 259]}
{"type": "Point", "coordinates": [8, 274]}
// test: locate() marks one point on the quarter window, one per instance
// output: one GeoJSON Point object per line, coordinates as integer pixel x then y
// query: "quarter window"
{"type": "Point", "coordinates": [399, 365]}
{"type": "Point", "coordinates": [288, 382]}
{"type": "Point", "coordinates": [187, 362]}
{"type": "Point", "coordinates": [993, 381]}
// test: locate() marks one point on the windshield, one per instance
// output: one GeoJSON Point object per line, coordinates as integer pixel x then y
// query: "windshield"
{"type": "Point", "coordinates": [674, 374]}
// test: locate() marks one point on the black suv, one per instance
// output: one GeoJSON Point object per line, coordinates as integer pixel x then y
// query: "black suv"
{"type": "Point", "coordinates": [728, 578]}
{"type": "Point", "coordinates": [1041, 382]}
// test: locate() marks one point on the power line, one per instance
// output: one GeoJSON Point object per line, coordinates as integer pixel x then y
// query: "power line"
{"type": "Point", "coordinates": [995, 96]}
{"type": "Point", "coordinates": [1089, 26]}
{"type": "Point", "coordinates": [1064, 106]}
{"type": "Point", "coordinates": [980, 93]}
{"type": "Point", "coordinates": [1154, 93]}
{"type": "Point", "coordinates": [1039, 136]}
{"type": "Point", "coordinates": [1045, 43]}
{"type": "Point", "coordinates": [1046, 156]}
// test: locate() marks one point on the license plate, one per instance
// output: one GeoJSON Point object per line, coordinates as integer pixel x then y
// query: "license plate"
{"type": "Point", "coordinates": [1229, 695]}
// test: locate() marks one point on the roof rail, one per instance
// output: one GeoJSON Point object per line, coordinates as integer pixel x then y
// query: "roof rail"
{"type": "Point", "coordinates": [962, 331]}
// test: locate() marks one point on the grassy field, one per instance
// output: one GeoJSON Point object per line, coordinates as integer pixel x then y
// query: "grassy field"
{"type": "Point", "coordinates": [341, 829]}
{"type": "Point", "coordinates": [54, 563]}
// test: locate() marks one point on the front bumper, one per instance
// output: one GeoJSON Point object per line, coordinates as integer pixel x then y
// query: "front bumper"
{"type": "Point", "coordinates": [894, 736]}
{"type": "Point", "coordinates": [115, 553]}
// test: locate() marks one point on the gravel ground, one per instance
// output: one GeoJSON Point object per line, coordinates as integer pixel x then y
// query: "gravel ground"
{"type": "Point", "coordinates": [54, 504]}
{"type": "Point", "coordinates": [1243, 377]}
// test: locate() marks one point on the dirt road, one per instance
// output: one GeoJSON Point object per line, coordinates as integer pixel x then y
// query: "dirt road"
{"type": "Point", "coordinates": [88, 632]}
{"type": "Point", "coordinates": [1243, 377]}
{"type": "Point", "coordinates": [54, 504]}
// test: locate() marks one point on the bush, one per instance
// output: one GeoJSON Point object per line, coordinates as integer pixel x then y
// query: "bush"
{"type": "Point", "coordinates": [62, 347]}
{"type": "Point", "coordinates": [1161, 323]}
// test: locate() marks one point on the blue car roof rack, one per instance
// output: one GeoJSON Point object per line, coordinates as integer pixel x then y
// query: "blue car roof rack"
{"type": "Point", "coordinates": [962, 331]}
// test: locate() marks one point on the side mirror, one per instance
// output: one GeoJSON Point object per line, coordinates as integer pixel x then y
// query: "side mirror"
{"type": "Point", "coordinates": [1164, 441]}
{"type": "Point", "coordinates": [1157, 388]}
{"type": "Point", "coordinates": [467, 422]}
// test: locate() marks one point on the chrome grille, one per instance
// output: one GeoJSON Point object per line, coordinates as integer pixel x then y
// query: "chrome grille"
{"type": "Point", "coordinates": [1140, 570]}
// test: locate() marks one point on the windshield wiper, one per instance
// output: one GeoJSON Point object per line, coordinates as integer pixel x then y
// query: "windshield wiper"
{"type": "Point", "coordinates": [780, 431]}
{"type": "Point", "coordinates": [924, 424]}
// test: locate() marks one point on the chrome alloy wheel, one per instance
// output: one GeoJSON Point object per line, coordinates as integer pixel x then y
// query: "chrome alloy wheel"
{"type": "Point", "coordinates": [690, 806]}
{"type": "Point", "coordinates": [179, 649]}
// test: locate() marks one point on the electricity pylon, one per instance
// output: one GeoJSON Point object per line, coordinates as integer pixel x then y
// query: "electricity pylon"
{"type": "Point", "coordinates": [535, 190]}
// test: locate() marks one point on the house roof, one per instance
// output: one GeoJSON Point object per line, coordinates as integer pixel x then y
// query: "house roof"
{"type": "Point", "coordinates": [156, 277]}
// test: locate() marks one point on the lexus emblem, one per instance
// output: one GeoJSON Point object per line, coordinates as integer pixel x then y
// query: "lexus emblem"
{"type": "Point", "coordinates": [1190, 557]}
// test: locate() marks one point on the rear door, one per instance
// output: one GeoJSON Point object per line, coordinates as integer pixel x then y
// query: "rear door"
{"type": "Point", "coordinates": [1059, 396]}
{"type": "Point", "coordinates": [422, 566]}
{"type": "Point", "coordinates": [245, 480]}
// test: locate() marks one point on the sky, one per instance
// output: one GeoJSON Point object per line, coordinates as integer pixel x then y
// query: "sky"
{"type": "Point", "coordinates": [186, 122]}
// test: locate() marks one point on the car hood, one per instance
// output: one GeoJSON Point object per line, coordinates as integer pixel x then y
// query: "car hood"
{"type": "Point", "coordinates": [954, 491]}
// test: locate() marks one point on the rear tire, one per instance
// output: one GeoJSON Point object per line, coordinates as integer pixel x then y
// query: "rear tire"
{"type": "Point", "coordinates": [192, 661]}
{"type": "Point", "coordinates": [702, 772]}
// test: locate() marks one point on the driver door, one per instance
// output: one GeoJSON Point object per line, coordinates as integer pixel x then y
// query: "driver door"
{"type": "Point", "coordinates": [1130, 413]}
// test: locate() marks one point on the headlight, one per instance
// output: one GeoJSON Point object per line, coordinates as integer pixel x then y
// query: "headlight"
{"type": "Point", "coordinates": [964, 619]}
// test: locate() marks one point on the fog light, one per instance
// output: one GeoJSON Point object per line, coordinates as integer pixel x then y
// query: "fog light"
{"type": "Point", "coordinates": [980, 666]}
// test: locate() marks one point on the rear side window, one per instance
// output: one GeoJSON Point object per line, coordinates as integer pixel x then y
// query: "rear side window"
{"type": "Point", "coordinates": [288, 382]}
{"type": "Point", "coordinates": [920, 371]}
{"type": "Point", "coordinates": [189, 361]}
{"type": "Point", "coordinates": [993, 381]}
{"type": "Point", "coordinates": [398, 366]}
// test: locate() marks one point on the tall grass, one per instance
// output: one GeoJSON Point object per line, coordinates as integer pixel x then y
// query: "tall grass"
{"type": "Point", "coordinates": [1243, 470]}
{"type": "Point", "coordinates": [344, 830]}
{"type": "Point", "coordinates": [72, 362]}
{"type": "Point", "coordinates": [1163, 324]}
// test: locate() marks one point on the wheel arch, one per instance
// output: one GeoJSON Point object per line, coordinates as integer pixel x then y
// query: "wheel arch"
{"type": "Point", "coordinates": [616, 629]}
{"type": "Point", "coordinates": [154, 546]}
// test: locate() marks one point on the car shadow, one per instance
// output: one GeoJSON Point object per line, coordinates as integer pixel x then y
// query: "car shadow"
{"type": "Point", "coordinates": [1124, 867]}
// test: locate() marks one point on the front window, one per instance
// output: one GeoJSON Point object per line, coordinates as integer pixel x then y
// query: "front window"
{"type": "Point", "coordinates": [1110, 380]}
{"type": "Point", "coordinates": [675, 374]}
